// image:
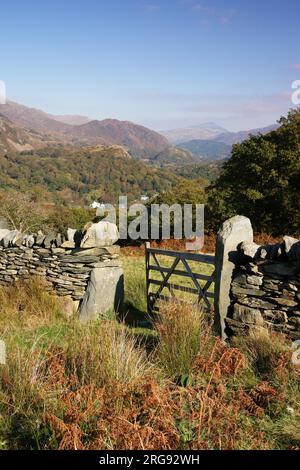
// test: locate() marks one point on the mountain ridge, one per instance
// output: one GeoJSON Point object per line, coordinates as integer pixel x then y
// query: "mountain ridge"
{"type": "Point", "coordinates": [36, 128]}
{"type": "Point", "coordinates": [212, 131]}
{"type": "Point", "coordinates": [219, 147]}
{"type": "Point", "coordinates": [138, 140]}
{"type": "Point", "coordinates": [231, 138]}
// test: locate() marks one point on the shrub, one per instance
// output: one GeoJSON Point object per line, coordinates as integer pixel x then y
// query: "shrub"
{"type": "Point", "coordinates": [23, 394]}
{"type": "Point", "coordinates": [26, 305]}
{"type": "Point", "coordinates": [21, 211]}
{"type": "Point", "coordinates": [265, 351]}
{"type": "Point", "coordinates": [62, 217]}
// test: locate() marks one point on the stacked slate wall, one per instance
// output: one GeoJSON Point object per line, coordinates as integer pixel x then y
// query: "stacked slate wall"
{"type": "Point", "coordinates": [265, 289]}
{"type": "Point", "coordinates": [68, 267]}
{"type": "Point", "coordinates": [67, 271]}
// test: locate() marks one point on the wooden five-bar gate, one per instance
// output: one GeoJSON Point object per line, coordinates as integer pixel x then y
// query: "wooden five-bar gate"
{"type": "Point", "coordinates": [155, 287]}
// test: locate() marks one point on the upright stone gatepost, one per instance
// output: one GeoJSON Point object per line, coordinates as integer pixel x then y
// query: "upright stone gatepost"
{"type": "Point", "coordinates": [105, 290]}
{"type": "Point", "coordinates": [234, 231]}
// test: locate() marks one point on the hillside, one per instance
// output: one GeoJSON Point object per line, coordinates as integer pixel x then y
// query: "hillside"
{"type": "Point", "coordinates": [138, 140]}
{"type": "Point", "coordinates": [79, 174]}
{"type": "Point", "coordinates": [207, 149]}
{"type": "Point", "coordinates": [31, 118]}
{"type": "Point", "coordinates": [17, 139]}
{"type": "Point", "coordinates": [206, 171]}
{"type": "Point", "coordinates": [174, 156]}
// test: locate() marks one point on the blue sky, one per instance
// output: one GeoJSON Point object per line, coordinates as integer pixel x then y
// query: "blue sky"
{"type": "Point", "coordinates": [161, 63]}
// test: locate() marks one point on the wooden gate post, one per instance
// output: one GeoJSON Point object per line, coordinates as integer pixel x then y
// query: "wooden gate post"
{"type": "Point", "coordinates": [147, 258]}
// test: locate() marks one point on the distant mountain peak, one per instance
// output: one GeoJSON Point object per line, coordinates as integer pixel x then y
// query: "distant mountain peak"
{"type": "Point", "coordinates": [206, 130]}
{"type": "Point", "coordinates": [209, 124]}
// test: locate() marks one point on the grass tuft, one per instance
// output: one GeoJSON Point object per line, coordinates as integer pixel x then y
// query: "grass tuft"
{"type": "Point", "coordinates": [183, 334]}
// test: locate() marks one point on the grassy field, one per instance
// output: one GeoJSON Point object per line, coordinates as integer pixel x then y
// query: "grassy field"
{"type": "Point", "coordinates": [101, 386]}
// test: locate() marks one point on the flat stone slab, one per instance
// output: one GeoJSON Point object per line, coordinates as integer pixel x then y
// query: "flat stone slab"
{"type": "Point", "coordinates": [256, 302]}
{"type": "Point", "coordinates": [292, 248]}
{"type": "Point", "coordinates": [97, 251]}
{"type": "Point", "coordinates": [280, 269]}
{"type": "Point", "coordinates": [105, 292]}
{"type": "Point", "coordinates": [238, 291]}
{"type": "Point", "coordinates": [68, 244]}
{"type": "Point", "coordinates": [284, 302]}
{"type": "Point", "coordinates": [81, 260]}
{"type": "Point", "coordinates": [247, 315]}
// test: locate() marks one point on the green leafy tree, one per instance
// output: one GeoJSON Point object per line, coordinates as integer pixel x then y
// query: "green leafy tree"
{"type": "Point", "coordinates": [187, 192]}
{"type": "Point", "coordinates": [262, 180]}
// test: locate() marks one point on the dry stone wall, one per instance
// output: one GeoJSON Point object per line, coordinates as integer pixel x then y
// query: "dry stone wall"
{"type": "Point", "coordinates": [265, 289]}
{"type": "Point", "coordinates": [68, 264]}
